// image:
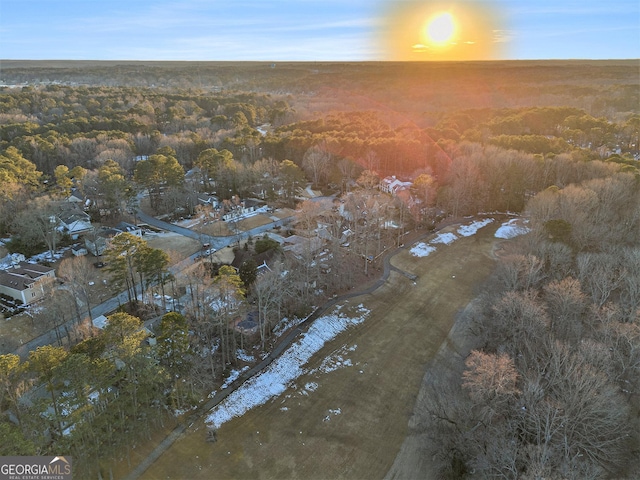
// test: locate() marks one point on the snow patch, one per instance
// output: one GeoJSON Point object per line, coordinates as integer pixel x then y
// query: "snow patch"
{"type": "Point", "coordinates": [275, 379]}
{"type": "Point", "coordinates": [335, 361]}
{"type": "Point", "coordinates": [333, 412]}
{"type": "Point", "coordinates": [243, 356]}
{"type": "Point", "coordinates": [511, 229]}
{"type": "Point", "coordinates": [446, 238]}
{"type": "Point", "coordinates": [422, 250]}
{"type": "Point", "coordinates": [469, 230]}
{"type": "Point", "coordinates": [232, 376]}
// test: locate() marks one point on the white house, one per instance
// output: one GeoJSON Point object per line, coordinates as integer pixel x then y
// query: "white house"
{"type": "Point", "coordinates": [74, 221]}
{"type": "Point", "coordinates": [26, 282]}
{"type": "Point", "coordinates": [392, 185]}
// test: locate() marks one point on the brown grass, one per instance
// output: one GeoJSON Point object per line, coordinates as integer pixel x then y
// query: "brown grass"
{"type": "Point", "coordinates": [283, 213]}
{"type": "Point", "coordinates": [375, 396]}
{"type": "Point", "coordinates": [177, 246]}
{"type": "Point", "coordinates": [253, 222]}
{"type": "Point", "coordinates": [217, 229]}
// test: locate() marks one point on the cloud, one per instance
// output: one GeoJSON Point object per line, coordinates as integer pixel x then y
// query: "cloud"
{"type": "Point", "coordinates": [418, 47]}
{"type": "Point", "coordinates": [503, 36]}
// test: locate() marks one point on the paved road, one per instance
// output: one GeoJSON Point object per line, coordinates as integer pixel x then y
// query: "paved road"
{"type": "Point", "coordinates": [112, 304]}
{"type": "Point", "coordinates": [215, 242]}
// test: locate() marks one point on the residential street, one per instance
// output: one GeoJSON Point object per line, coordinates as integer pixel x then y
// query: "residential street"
{"type": "Point", "coordinates": [113, 303]}
{"type": "Point", "coordinates": [215, 242]}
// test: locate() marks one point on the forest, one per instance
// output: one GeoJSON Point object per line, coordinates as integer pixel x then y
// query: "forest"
{"type": "Point", "coordinates": [550, 387]}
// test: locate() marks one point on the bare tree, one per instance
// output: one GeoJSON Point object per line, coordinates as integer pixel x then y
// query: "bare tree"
{"type": "Point", "coordinates": [39, 223]}
{"type": "Point", "coordinates": [348, 170]}
{"type": "Point", "coordinates": [77, 272]}
{"type": "Point", "coordinates": [520, 272]}
{"type": "Point", "coordinates": [599, 274]}
{"type": "Point", "coordinates": [268, 293]}
{"type": "Point", "coordinates": [566, 306]}
{"type": "Point", "coordinates": [518, 325]}
{"type": "Point", "coordinates": [630, 284]}
{"type": "Point", "coordinates": [593, 430]}
{"type": "Point", "coordinates": [316, 161]}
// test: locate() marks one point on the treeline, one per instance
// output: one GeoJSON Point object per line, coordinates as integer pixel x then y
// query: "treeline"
{"type": "Point", "coordinates": [473, 165]}
{"type": "Point", "coordinates": [551, 388]}
{"type": "Point", "coordinates": [84, 126]}
{"type": "Point", "coordinates": [428, 89]}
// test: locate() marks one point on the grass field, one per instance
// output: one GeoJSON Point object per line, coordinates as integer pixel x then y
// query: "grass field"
{"type": "Point", "coordinates": [350, 422]}
{"type": "Point", "coordinates": [175, 245]}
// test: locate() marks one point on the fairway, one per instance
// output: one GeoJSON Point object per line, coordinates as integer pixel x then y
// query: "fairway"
{"type": "Point", "coordinates": [347, 416]}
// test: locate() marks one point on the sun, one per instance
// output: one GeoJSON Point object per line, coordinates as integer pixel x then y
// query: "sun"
{"type": "Point", "coordinates": [440, 29]}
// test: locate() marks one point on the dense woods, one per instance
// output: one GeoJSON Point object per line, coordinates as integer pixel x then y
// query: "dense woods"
{"type": "Point", "coordinates": [550, 388]}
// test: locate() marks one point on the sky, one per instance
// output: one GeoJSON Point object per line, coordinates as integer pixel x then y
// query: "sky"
{"type": "Point", "coordinates": [315, 30]}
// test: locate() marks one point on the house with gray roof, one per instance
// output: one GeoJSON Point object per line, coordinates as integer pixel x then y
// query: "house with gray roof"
{"type": "Point", "coordinates": [26, 282]}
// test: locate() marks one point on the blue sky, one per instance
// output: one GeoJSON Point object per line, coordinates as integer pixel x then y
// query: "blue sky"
{"type": "Point", "coordinates": [295, 30]}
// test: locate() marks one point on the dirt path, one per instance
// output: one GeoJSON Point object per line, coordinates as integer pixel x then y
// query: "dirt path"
{"type": "Point", "coordinates": [351, 422]}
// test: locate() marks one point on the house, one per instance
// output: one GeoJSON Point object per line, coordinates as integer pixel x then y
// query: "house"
{"type": "Point", "coordinates": [98, 241]}
{"type": "Point", "coordinates": [208, 199]}
{"type": "Point", "coordinates": [129, 228]}
{"type": "Point", "coordinates": [392, 185]}
{"type": "Point", "coordinates": [26, 282]}
{"type": "Point", "coordinates": [300, 245]}
{"type": "Point", "coordinates": [74, 221]}
{"type": "Point", "coordinates": [77, 197]}
{"type": "Point", "coordinates": [249, 325]}
{"type": "Point", "coordinates": [236, 209]}
{"type": "Point", "coordinates": [100, 322]}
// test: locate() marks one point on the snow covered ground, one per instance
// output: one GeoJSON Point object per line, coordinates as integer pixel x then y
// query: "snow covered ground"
{"type": "Point", "coordinates": [278, 376]}
{"type": "Point", "coordinates": [423, 249]}
{"type": "Point", "coordinates": [472, 228]}
{"type": "Point", "coordinates": [512, 228]}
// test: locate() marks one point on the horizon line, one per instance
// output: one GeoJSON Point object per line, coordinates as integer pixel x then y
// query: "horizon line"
{"type": "Point", "coordinates": [575, 59]}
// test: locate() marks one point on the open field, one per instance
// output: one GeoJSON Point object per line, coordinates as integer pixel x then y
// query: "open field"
{"type": "Point", "coordinates": [253, 222]}
{"type": "Point", "coordinates": [350, 422]}
{"type": "Point", "coordinates": [283, 213]}
{"type": "Point", "coordinates": [216, 229]}
{"type": "Point", "coordinates": [225, 229]}
{"type": "Point", "coordinates": [16, 330]}
{"type": "Point", "coordinates": [178, 247]}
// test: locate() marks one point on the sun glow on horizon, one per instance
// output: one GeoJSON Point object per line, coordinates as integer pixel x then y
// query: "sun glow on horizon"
{"type": "Point", "coordinates": [443, 30]}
